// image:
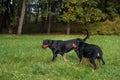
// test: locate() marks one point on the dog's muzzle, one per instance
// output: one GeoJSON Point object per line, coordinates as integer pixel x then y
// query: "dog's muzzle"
{"type": "Point", "coordinates": [44, 46]}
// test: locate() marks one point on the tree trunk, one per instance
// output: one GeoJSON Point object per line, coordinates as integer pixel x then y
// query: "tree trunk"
{"type": "Point", "coordinates": [49, 17]}
{"type": "Point", "coordinates": [21, 18]}
{"type": "Point", "coordinates": [68, 28]}
{"type": "Point", "coordinates": [49, 24]}
{"type": "Point", "coordinates": [10, 30]}
{"type": "Point", "coordinates": [1, 26]}
{"type": "Point", "coordinates": [1, 18]}
{"type": "Point", "coordinates": [37, 15]}
{"type": "Point", "coordinates": [29, 14]}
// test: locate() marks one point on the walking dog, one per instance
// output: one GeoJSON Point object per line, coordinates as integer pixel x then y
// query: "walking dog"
{"type": "Point", "coordinates": [61, 47]}
{"type": "Point", "coordinates": [89, 51]}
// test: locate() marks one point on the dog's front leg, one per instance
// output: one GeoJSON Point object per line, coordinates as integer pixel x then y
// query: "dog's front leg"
{"type": "Point", "coordinates": [79, 54]}
{"type": "Point", "coordinates": [80, 60]}
{"type": "Point", "coordinates": [64, 57]}
{"type": "Point", "coordinates": [54, 55]}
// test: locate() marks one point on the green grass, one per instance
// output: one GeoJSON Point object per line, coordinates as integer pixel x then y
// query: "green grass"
{"type": "Point", "coordinates": [22, 58]}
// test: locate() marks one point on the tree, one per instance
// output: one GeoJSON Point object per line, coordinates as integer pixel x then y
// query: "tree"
{"type": "Point", "coordinates": [69, 13]}
{"type": "Point", "coordinates": [112, 9]}
{"type": "Point", "coordinates": [82, 11]}
{"type": "Point", "coordinates": [8, 16]}
{"type": "Point", "coordinates": [5, 12]}
{"type": "Point", "coordinates": [21, 18]}
{"type": "Point", "coordinates": [49, 17]}
{"type": "Point", "coordinates": [2, 11]}
{"type": "Point", "coordinates": [89, 12]}
{"type": "Point", "coordinates": [48, 10]}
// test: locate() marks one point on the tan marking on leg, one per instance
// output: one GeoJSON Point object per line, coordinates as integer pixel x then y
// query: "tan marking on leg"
{"type": "Point", "coordinates": [64, 57]}
{"type": "Point", "coordinates": [80, 63]}
{"type": "Point", "coordinates": [98, 65]}
{"type": "Point", "coordinates": [87, 62]}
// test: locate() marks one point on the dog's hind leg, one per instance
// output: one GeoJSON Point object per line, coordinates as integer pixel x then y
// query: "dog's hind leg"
{"type": "Point", "coordinates": [102, 60]}
{"type": "Point", "coordinates": [98, 58]}
{"type": "Point", "coordinates": [87, 62]}
{"type": "Point", "coordinates": [92, 60]}
{"type": "Point", "coordinates": [98, 65]}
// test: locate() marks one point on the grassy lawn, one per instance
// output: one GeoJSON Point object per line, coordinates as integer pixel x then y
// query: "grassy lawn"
{"type": "Point", "coordinates": [22, 58]}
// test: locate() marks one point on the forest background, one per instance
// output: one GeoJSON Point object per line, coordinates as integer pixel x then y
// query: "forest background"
{"type": "Point", "coordinates": [59, 16]}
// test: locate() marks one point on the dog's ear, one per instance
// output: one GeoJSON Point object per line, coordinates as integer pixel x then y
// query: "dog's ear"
{"type": "Point", "coordinates": [76, 42]}
{"type": "Point", "coordinates": [46, 41]}
{"type": "Point", "coordinates": [50, 42]}
{"type": "Point", "coordinates": [80, 42]}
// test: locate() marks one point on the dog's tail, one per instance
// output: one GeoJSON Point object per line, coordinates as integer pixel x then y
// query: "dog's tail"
{"type": "Point", "coordinates": [88, 35]}
{"type": "Point", "coordinates": [103, 62]}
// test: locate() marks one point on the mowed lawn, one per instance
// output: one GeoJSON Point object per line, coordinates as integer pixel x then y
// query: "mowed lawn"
{"type": "Point", "coordinates": [22, 58]}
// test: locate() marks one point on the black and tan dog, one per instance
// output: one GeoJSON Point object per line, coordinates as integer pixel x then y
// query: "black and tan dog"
{"type": "Point", "coordinates": [61, 47]}
{"type": "Point", "coordinates": [89, 51]}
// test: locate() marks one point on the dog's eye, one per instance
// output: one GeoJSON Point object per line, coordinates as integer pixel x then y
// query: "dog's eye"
{"type": "Point", "coordinates": [45, 43]}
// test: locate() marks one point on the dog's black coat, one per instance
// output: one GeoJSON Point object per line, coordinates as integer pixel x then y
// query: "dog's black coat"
{"type": "Point", "coordinates": [60, 46]}
{"type": "Point", "coordinates": [89, 51]}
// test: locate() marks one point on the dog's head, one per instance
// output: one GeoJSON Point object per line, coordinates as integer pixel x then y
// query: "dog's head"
{"type": "Point", "coordinates": [77, 43]}
{"type": "Point", "coordinates": [46, 43]}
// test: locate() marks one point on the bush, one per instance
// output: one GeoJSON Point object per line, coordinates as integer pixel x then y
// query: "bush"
{"type": "Point", "coordinates": [105, 28]}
